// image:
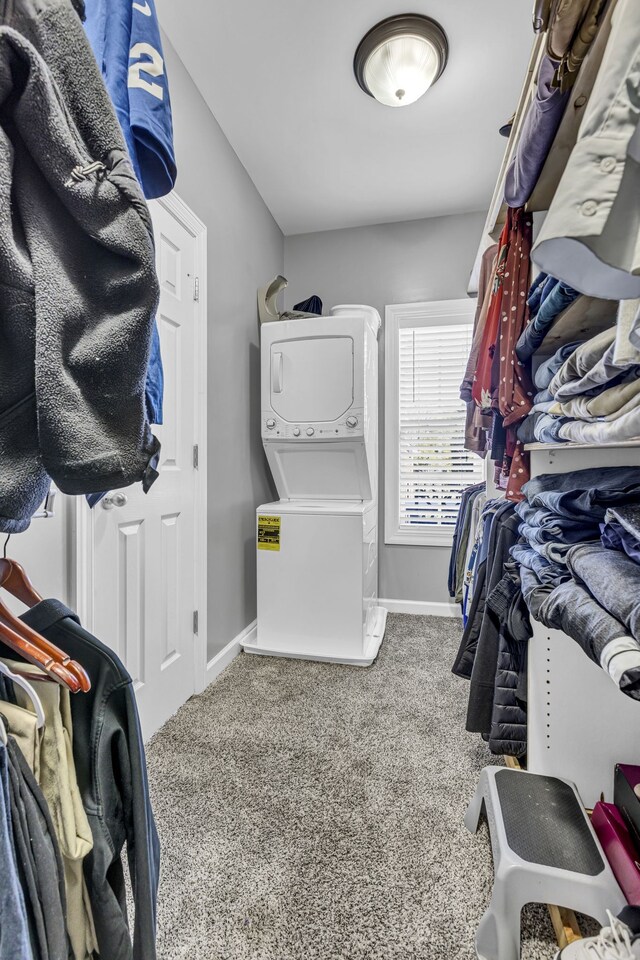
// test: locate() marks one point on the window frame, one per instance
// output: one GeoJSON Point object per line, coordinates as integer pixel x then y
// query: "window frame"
{"type": "Point", "coordinates": [397, 317]}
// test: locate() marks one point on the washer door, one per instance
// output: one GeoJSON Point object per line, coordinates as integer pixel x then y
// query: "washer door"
{"type": "Point", "coordinates": [312, 378]}
{"type": "Point", "coordinates": [324, 470]}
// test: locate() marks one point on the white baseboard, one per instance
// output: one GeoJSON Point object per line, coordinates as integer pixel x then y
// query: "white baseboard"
{"type": "Point", "coordinates": [424, 608]}
{"type": "Point", "coordinates": [217, 664]}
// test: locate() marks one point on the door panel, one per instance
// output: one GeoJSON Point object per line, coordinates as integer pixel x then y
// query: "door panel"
{"type": "Point", "coordinates": [170, 337]}
{"type": "Point", "coordinates": [144, 549]}
{"type": "Point", "coordinates": [131, 597]}
{"type": "Point", "coordinates": [170, 594]}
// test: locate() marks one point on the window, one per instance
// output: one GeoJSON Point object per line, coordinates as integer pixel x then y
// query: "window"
{"type": "Point", "coordinates": [426, 466]}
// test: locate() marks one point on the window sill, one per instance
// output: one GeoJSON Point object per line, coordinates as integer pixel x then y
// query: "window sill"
{"type": "Point", "coordinates": [400, 538]}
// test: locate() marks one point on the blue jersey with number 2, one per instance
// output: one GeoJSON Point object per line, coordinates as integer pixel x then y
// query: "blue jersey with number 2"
{"type": "Point", "coordinates": [125, 37]}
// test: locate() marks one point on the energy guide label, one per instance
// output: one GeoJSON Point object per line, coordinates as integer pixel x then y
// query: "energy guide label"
{"type": "Point", "coordinates": [268, 533]}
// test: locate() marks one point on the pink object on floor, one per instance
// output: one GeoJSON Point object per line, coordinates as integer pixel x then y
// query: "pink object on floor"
{"type": "Point", "coordinates": [619, 848]}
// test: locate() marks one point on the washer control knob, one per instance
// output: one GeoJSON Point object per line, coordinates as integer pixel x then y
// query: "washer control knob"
{"type": "Point", "coordinates": [271, 423]}
{"type": "Point", "coordinates": [296, 431]}
{"type": "Point", "coordinates": [352, 422]}
{"type": "Point", "coordinates": [310, 431]}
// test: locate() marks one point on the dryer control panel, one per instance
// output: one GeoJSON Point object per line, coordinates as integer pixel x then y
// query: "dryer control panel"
{"type": "Point", "coordinates": [350, 426]}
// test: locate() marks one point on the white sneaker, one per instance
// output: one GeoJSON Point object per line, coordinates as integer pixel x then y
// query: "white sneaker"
{"type": "Point", "coordinates": [613, 943]}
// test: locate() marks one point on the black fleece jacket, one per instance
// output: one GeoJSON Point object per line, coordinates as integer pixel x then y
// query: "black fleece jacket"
{"type": "Point", "coordinates": [78, 289]}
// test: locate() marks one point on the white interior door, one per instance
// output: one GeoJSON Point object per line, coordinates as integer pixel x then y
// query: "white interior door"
{"type": "Point", "coordinates": [143, 592]}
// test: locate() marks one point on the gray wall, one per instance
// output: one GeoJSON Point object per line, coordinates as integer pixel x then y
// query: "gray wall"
{"type": "Point", "coordinates": [407, 262]}
{"type": "Point", "coordinates": [245, 250]}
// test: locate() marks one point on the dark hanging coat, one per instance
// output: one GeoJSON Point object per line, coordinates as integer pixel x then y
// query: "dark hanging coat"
{"type": "Point", "coordinates": [508, 734]}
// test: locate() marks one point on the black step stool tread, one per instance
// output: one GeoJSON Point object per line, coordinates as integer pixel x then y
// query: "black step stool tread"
{"type": "Point", "coordinates": [546, 824]}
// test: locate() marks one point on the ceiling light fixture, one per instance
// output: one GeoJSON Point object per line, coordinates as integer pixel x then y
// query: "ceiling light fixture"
{"type": "Point", "coordinates": [400, 58]}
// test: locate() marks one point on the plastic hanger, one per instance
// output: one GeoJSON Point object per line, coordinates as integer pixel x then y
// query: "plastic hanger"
{"type": "Point", "coordinates": [15, 580]}
{"type": "Point", "coordinates": [21, 681]}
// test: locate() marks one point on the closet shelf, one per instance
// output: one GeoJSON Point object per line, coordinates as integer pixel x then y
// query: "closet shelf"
{"type": "Point", "coordinates": [582, 446]}
{"type": "Point", "coordinates": [582, 319]}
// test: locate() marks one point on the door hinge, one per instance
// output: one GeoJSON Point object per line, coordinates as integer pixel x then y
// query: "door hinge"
{"type": "Point", "coordinates": [196, 288]}
{"type": "Point", "coordinates": [195, 622]}
{"type": "Point", "coordinates": [196, 456]}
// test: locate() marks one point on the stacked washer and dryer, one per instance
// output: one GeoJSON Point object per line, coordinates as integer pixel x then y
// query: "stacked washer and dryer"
{"type": "Point", "coordinates": [317, 547]}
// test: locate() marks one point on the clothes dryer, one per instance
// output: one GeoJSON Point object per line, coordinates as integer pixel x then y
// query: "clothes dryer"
{"type": "Point", "coordinates": [320, 404]}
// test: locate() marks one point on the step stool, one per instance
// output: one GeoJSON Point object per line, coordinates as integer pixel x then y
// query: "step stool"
{"type": "Point", "coordinates": [544, 851]}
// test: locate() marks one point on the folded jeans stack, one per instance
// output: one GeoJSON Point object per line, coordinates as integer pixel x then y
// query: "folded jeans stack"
{"type": "Point", "coordinates": [528, 431]}
{"type": "Point", "coordinates": [574, 582]}
{"type": "Point", "coordinates": [621, 530]}
{"type": "Point", "coordinates": [547, 299]}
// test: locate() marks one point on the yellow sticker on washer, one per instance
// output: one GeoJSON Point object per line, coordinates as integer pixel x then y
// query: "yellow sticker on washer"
{"type": "Point", "coordinates": [268, 533]}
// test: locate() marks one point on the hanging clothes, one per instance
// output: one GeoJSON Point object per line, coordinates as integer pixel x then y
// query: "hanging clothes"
{"type": "Point", "coordinates": [502, 383]}
{"type": "Point", "coordinates": [538, 132]}
{"type": "Point", "coordinates": [508, 734]}
{"type": "Point", "coordinates": [112, 778]}
{"type": "Point", "coordinates": [125, 38]}
{"type": "Point", "coordinates": [512, 387]}
{"type": "Point", "coordinates": [57, 779]}
{"type": "Point", "coordinates": [515, 387]}
{"type": "Point", "coordinates": [590, 238]}
{"type": "Point", "coordinates": [482, 383]}
{"type": "Point", "coordinates": [473, 547]}
{"type": "Point", "coordinates": [23, 725]}
{"type": "Point", "coordinates": [485, 660]}
{"type": "Point", "coordinates": [493, 649]}
{"type": "Point", "coordinates": [495, 512]}
{"type": "Point", "coordinates": [89, 796]}
{"type": "Point", "coordinates": [72, 371]}
{"type": "Point", "coordinates": [15, 942]}
{"type": "Point", "coordinates": [460, 538]}
{"type": "Point", "coordinates": [478, 423]}
{"type": "Point", "coordinates": [38, 859]}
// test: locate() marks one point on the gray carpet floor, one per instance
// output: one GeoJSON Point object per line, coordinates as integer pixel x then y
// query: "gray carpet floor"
{"type": "Point", "coordinates": [314, 811]}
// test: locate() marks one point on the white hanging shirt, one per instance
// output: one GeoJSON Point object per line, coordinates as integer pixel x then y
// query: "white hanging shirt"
{"type": "Point", "coordinates": [591, 236]}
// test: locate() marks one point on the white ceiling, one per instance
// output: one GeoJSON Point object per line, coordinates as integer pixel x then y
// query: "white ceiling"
{"type": "Point", "coordinates": [278, 77]}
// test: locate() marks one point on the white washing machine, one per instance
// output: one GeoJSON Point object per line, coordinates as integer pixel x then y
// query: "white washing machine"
{"type": "Point", "coordinates": [320, 404]}
{"type": "Point", "coordinates": [317, 581]}
{"type": "Point", "coordinates": [317, 547]}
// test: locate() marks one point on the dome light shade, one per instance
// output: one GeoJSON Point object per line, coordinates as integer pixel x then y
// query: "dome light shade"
{"type": "Point", "coordinates": [400, 58]}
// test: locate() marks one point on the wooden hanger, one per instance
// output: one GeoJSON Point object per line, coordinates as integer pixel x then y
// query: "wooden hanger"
{"type": "Point", "coordinates": [34, 654]}
{"type": "Point", "coordinates": [15, 580]}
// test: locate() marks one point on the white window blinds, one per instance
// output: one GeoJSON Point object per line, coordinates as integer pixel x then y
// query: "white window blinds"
{"type": "Point", "coordinates": [433, 466]}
